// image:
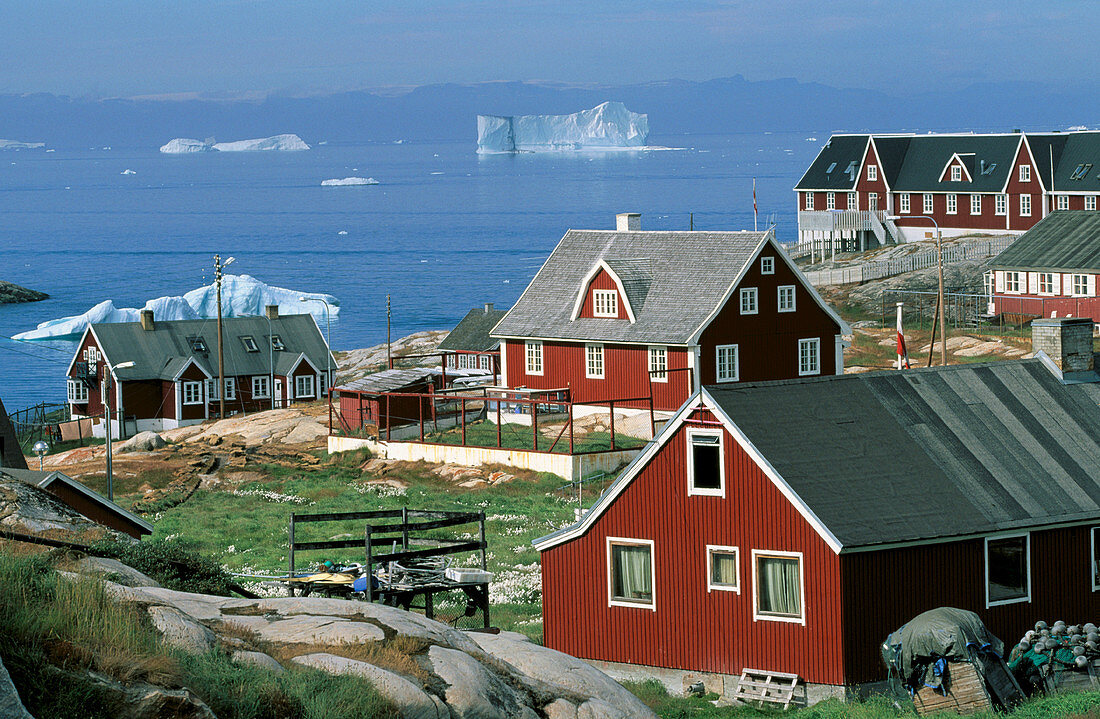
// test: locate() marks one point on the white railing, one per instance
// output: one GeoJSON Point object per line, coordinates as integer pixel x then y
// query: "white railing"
{"type": "Point", "coordinates": [916, 261]}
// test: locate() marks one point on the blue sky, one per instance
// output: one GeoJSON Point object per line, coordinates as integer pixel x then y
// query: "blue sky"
{"type": "Point", "coordinates": [128, 47]}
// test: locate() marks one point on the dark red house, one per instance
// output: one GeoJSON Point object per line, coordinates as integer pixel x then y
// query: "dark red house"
{"type": "Point", "coordinates": [790, 526]}
{"type": "Point", "coordinates": [269, 362]}
{"type": "Point", "coordinates": [626, 314]}
{"type": "Point", "coordinates": [1051, 270]}
{"type": "Point", "coordinates": [967, 183]}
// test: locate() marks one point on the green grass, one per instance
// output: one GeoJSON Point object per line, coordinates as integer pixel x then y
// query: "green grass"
{"type": "Point", "coordinates": [516, 436]}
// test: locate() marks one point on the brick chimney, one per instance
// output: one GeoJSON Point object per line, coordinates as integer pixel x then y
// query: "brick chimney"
{"type": "Point", "coordinates": [272, 312]}
{"type": "Point", "coordinates": [1066, 340]}
{"type": "Point", "coordinates": [488, 307]}
{"type": "Point", "coordinates": [147, 320]}
{"type": "Point", "coordinates": [628, 222]}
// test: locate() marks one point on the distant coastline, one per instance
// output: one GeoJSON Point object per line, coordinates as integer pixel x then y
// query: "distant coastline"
{"type": "Point", "coordinates": [10, 294]}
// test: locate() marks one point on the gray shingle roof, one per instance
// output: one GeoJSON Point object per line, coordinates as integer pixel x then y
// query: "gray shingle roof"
{"type": "Point", "coordinates": [388, 380]}
{"type": "Point", "coordinates": [472, 333]}
{"type": "Point", "coordinates": [161, 352]}
{"type": "Point", "coordinates": [902, 456]}
{"type": "Point", "coordinates": [1064, 240]}
{"type": "Point", "coordinates": [674, 281]}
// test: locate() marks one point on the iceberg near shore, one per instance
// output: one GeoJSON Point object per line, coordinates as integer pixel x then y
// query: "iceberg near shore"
{"type": "Point", "coordinates": [284, 143]}
{"type": "Point", "coordinates": [609, 126]}
{"type": "Point", "coordinates": [242, 295]}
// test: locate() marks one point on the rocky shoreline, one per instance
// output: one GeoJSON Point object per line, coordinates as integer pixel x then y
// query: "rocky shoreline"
{"type": "Point", "coordinates": [10, 294]}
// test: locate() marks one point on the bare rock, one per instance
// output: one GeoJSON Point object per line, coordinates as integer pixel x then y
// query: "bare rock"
{"type": "Point", "coordinates": [258, 659]}
{"type": "Point", "coordinates": [26, 508]}
{"type": "Point", "coordinates": [11, 707]}
{"type": "Point", "coordinates": [142, 442]}
{"type": "Point", "coordinates": [560, 709]}
{"type": "Point", "coordinates": [181, 631]}
{"type": "Point", "coordinates": [314, 629]}
{"type": "Point", "coordinates": [139, 700]}
{"type": "Point", "coordinates": [411, 701]}
{"type": "Point", "coordinates": [306, 432]}
{"type": "Point", "coordinates": [116, 571]}
{"type": "Point", "coordinates": [473, 692]}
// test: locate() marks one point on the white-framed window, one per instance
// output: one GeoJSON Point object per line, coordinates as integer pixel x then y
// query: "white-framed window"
{"type": "Point", "coordinates": [593, 361]}
{"type": "Point", "coordinates": [534, 357]}
{"type": "Point", "coordinates": [853, 200]}
{"type": "Point", "coordinates": [1094, 556]}
{"type": "Point", "coordinates": [872, 201]}
{"type": "Point", "coordinates": [767, 265]}
{"type": "Point", "coordinates": [1063, 202]}
{"type": "Point", "coordinates": [956, 173]}
{"type": "Point", "coordinates": [706, 469]}
{"type": "Point", "coordinates": [927, 200]}
{"type": "Point", "coordinates": [212, 390]}
{"type": "Point", "coordinates": [303, 385]}
{"type": "Point", "coordinates": [231, 388]}
{"type": "Point", "coordinates": [749, 304]}
{"type": "Point", "coordinates": [952, 204]}
{"type": "Point", "coordinates": [830, 201]}
{"type": "Point", "coordinates": [1090, 202]}
{"type": "Point", "coordinates": [631, 574]}
{"type": "Point", "coordinates": [872, 173]}
{"type": "Point", "coordinates": [1007, 569]}
{"type": "Point", "coordinates": [1046, 283]}
{"type": "Point", "coordinates": [809, 356]}
{"type": "Point", "coordinates": [778, 590]}
{"type": "Point", "coordinates": [903, 203]}
{"type": "Point", "coordinates": [605, 303]}
{"type": "Point", "coordinates": [723, 569]}
{"type": "Point", "coordinates": [727, 363]}
{"type": "Point", "coordinates": [1025, 205]}
{"type": "Point", "coordinates": [261, 387]}
{"type": "Point", "coordinates": [975, 204]}
{"type": "Point", "coordinates": [77, 391]}
{"type": "Point", "coordinates": [658, 364]}
{"type": "Point", "coordinates": [1001, 205]}
{"type": "Point", "coordinates": [192, 392]}
{"type": "Point", "coordinates": [1025, 173]}
{"type": "Point", "coordinates": [1080, 285]}
{"type": "Point", "coordinates": [1012, 281]}
{"type": "Point", "coordinates": [249, 343]}
{"type": "Point", "coordinates": [809, 200]}
{"type": "Point", "coordinates": [786, 298]}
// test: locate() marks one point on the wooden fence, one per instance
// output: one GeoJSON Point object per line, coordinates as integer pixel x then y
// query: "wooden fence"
{"type": "Point", "coordinates": [917, 261]}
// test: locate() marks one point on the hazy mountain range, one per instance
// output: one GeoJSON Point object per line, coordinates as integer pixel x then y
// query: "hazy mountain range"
{"type": "Point", "coordinates": [448, 111]}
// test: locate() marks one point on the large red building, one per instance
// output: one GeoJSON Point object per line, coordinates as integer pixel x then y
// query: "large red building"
{"type": "Point", "coordinates": [995, 183]}
{"type": "Point", "coordinates": [629, 314]}
{"type": "Point", "coordinates": [791, 526]}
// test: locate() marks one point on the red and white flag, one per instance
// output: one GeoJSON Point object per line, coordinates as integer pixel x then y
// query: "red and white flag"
{"type": "Point", "coordinates": [754, 227]}
{"type": "Point", "coordinates": [903, 353]}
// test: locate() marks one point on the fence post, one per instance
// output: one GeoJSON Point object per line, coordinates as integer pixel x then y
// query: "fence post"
{"type": "Point", "coordinates": [405, 528]}
{"type": "Point", "coordinates": [570, 425]}
{"type": "Point", "coordinates": [463, 409]}
{"type": "Point", "coordinates": [498, 424]}
{"type": "Point", "coordinates": [420, 408]}
{"type": "Point", "coordinates": [611, 407]}
{"type": "Point", "coordinates": [370, 562]}
{"type": "Point", "coordinates": [290, 556]}
{"type": "Point", "coordinates": [535, 425]}
{"type": "Point", "coordinates": [389, 420]}
{"type": "Point", "coordinates": [481, 531]}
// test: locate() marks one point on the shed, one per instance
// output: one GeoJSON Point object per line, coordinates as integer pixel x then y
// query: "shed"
{"type": "Point", "coordinates": [80, 498]}
{"type": "Point", "coordinates": [363, 407]}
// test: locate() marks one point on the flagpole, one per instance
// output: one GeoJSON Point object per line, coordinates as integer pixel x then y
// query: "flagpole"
{"type": "Point", "coordinates": [754, 225]}
{"type": "Point", "coordinates": [903, 352]}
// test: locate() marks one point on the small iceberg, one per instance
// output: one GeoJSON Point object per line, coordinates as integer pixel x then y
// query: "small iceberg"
{"type": "Point", "coordinates": [349, 182]}
{"type": "Point", "coordinates": [184, 145]}
{"type": "Point", "coordinates": [16, 145]}
{"type": "Point", "coordinates": [127, 172]}
{"type": "Point", "coordinates": [283, 143]}
{"type": "Point", "coordinates": [242, 295]}
{"type": "Point", "coordinates": [609, 126]}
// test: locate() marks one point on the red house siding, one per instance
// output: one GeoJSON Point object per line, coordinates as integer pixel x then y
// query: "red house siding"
{"type": "Point", "coordinates": [767, 342]}
{"type": "Point", "coordinates": [94, 406]}
{"type": "Point", "coordinates": [94, 511]}
{"type": "Point", "coordinates": [1016, 221]}
{"type": "Point", "coordinates": [878, 185]}
{"type": "Point", "coordinates": [193, 411]}
{"type": "Point", "coordinates": [145, 398]}
{"type": "Point", "coordinates": [883, 590]}
{"type": "Point", "coordinates": [626, 373]}
{"type": "Point", "coordinates": [691, 628]}
{"type": "Point", "coordinates": [602, 281]}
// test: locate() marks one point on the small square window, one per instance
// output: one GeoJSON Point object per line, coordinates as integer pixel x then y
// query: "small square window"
{"type": "Point", "coordinates": [872, 173]}
{"type": "Point", "coordinates": [192, 392]}
{"type": "Point", "coordinates": [277, 343]}
{"type": "Point", "coordinates": [1007, 571]}
{"type": "Point", "coordinates": [605, 303]}
{"type": "Point", "coordinates": [1081, 285]}
{"type": "Point", "coordinates": [1063, 202]}
{"type": "Point", "coordinates": [1090, 202]}
{"type": "Point", "coordinates": [197, 344]}
{"type": "Point", "coordinates": [786, 298]}
{"type": "Point", "coordinates": [249, 343]}
{"type": "Point", "coordinates": [706, 470]}
{"type": "Point", "coordinates": [303, 386]}
{"type": "Point", "coordinates": [767, 265]}
{"type": "Point", "coordinates": [631, 574]}
{"type": "Point", "coordinates": [261, 388]}
{"type": "Point", "coordinates": [1025, 173]}
{"type": "Point", "coordinates": [749, 304]}
{"type": "Point", "coordinates": [777, 586]}
{"type": "Point", "coordinates": [723, 569]}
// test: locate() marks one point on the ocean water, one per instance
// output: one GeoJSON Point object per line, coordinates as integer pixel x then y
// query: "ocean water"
{"type": "Point", "coordinates": [446, 230]}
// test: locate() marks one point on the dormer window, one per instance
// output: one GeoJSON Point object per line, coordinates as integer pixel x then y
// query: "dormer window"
{"type": "Point", "coordinates": [605, 303]}
{"type": "Point", "coordinates": [197, 344]}
{"type": "Point", "coordinates": [956, 173]}
{"type": "Point", "coordinates": [872, 173]}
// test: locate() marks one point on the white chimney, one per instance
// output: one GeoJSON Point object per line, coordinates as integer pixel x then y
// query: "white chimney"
{"type": "Point", "coordinates": [628, 222]}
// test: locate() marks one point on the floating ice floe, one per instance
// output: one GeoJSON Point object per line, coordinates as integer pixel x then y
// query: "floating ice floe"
{"type": "Point", "coordinates": [16, 145]}
{"type": "Point", "coordinates": [242, 295]}
{"type": "Point", "coordinates": [342, 232]}
{"type": "Point", "coordinates": [284, 143]}
{"type": "Point", "coordinates": [608, 126]}
{"type": "Point", "coordinates": [349, 182]}
{"type": "Point", "coordinates": [127, 172]}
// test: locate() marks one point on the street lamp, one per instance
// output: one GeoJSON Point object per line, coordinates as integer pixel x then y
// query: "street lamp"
{"type": "Point", "coordinates": [107, 411]}
{"type": "Point", "coordinates": [40, 448]}
{"type": "Point", "coordinates": [939, 272]}
{"type": "Point", "coordinates": [328, 338]}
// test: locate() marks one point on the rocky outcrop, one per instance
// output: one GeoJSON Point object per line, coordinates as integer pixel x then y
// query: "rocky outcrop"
{"type": "Point", "coordinates": [11, 707]}
{"type": "Point", "coordinates": [359, 363]}
{"type": "Point", "coordinates": [411, 700]}
{"type": "Point", "coordinates": [142, 442]}
{"type": "Point", "coordinates": [10, 293]}
{"type": "Point", "coordinates": [28, 509]}
{"type": "Point", "coordinates": [139, 700]}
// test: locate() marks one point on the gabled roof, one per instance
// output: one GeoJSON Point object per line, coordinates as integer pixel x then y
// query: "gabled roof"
{"type": "Point", "coordinates": [830, 170]}
{"type": "Point", "coordinates": [989, 160]}
{"type": "Point", "coordinates": [676, 283]}
{"type": "Point", "coordinates": [883, 458]}
{"type": "Point", "coordinates": [1046, 150]}
{"type": "Point", "coordinates": [1064, 240]}
{"type": "Point", "coordinates": [44, 478]}
{"type": "Point", "coordinates": [472, 333]}
{"type": "Point", "coordinates": [891, 153]}
{"type": "Point", "coordinates": [163, 352]}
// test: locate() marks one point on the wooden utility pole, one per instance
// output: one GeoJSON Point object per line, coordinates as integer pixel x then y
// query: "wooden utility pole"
{"type": "Point", "coordinates": [221, 359]}
{"type": "Point", "coordinates": [389, 354]}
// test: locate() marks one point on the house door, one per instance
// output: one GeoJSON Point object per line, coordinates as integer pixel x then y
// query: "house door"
{"type": "Point", "coordinates": [278, 391]}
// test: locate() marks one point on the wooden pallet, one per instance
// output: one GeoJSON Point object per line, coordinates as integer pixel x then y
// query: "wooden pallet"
{"type": "Point", "coordinates": [966, 693]}
{"type": "Point", "coordinates": [757, 685]}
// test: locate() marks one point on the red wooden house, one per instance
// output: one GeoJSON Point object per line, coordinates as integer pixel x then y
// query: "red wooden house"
{"type": "Point", "coordinates": [966, 182]}
{"type": "Point", "coordinates": [790, 526]}
{"type": "Point", "coordinates": [269, 362]}
{"type": "Point", "coordinates": [633, 314]}
{"type": "Point", "coordinates": [1051, 270]}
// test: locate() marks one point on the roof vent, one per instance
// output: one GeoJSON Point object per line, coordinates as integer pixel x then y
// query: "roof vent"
{"type": "Point", "coordinates": [147, 320]}
{"type": "Point", "coordinates": [628, 222]}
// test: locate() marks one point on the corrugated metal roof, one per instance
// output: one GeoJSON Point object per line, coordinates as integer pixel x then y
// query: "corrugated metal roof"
{"type": "Point", "coordinates": [388, 380]}
{"type": "Point", "coordinates": [1064, 240]}
{"type": "Point", "coordinates": [933, 453]}
{"type": "Point", "coordinates": [161, 352]}
{"type": "Point", "coordinates": [674, 280]}
{"type": "Point", "coordinates": [472, 333]}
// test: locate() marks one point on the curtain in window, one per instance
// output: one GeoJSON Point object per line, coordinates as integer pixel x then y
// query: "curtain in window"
{"type": "Point", "coordinates": [779, 591]}
{"type": "Point", "coordinates": [723, 568]}
{"type": "Point", "coordinates": [631, 573]}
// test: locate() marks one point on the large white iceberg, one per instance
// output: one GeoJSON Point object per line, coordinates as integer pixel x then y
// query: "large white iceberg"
{"type": "Point", "coordinates": [604, 127]}
{"type": "Point", "coordinates": [242, 295]}
{"type": "Point", "coordinates": [17, 145]}
{"type": "Point", "coordinates": [285, 143]}
{"type": "Point", "coordinates": [349, 182]}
